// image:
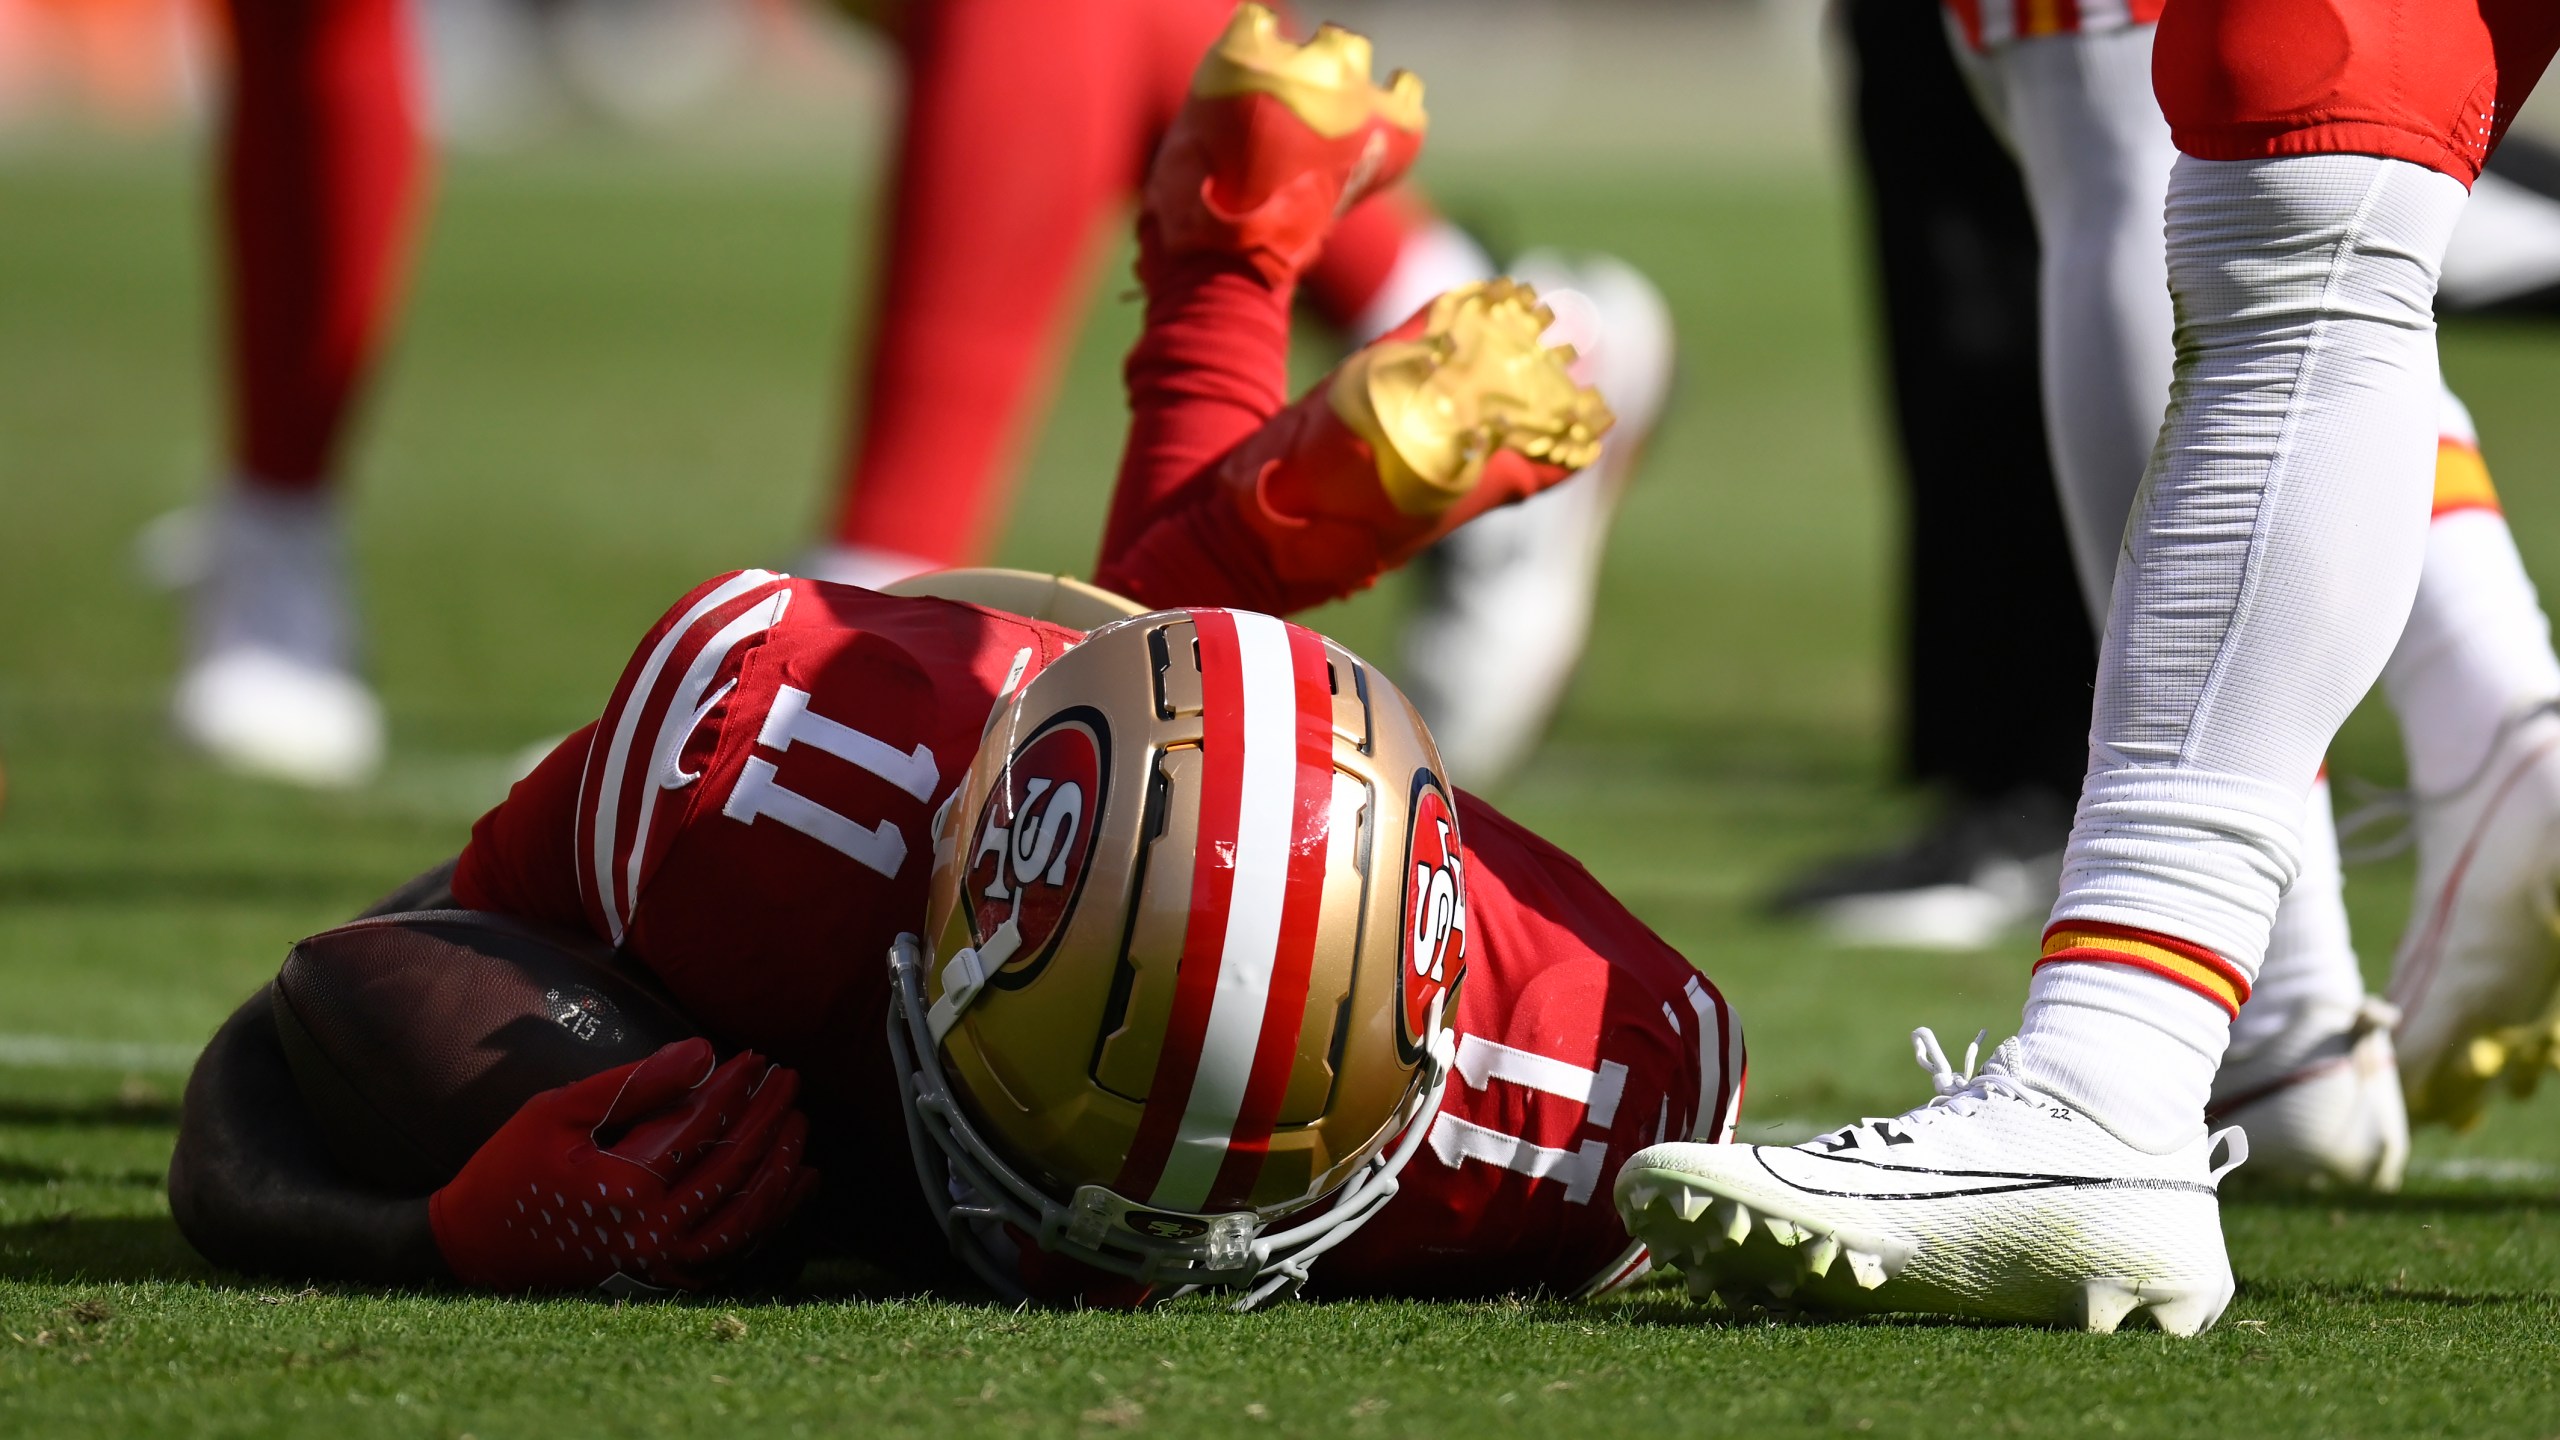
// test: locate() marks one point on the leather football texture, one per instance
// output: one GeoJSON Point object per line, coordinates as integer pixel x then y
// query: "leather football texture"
{"type": "Point", "coordinates": [414, 1036]}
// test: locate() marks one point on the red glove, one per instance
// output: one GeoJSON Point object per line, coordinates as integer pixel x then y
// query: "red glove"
{"type": "Point", "coordinates": [667, 1170]}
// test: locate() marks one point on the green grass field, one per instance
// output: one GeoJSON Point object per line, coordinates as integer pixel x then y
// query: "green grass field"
{"type": "Point", "coordinates": [620, 377]}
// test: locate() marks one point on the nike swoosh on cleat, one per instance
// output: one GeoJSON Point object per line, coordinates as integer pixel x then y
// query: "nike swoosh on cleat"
{"type": "Point", "coordinates": [1999, 1182]}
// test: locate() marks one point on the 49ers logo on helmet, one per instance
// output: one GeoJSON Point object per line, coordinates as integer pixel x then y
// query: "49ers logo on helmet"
{"type": "Point", "coordinates": [1034, 841]}
{"type": "Point", "coordinates": [1435, 914]}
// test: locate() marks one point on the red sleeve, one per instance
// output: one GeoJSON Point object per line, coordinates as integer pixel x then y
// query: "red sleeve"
{"type": "Point", "coordinates": [523, 855]}
{"type": "Point", "coordinates": [1582, 1038]}
{"type": "Point", "coordinates": [519, 860]}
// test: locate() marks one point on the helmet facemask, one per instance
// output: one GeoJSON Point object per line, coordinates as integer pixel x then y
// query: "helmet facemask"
{"type": "Point", "coordinates": [973, 1191]}
{"type": "Point", "coordinates": [1152, 829]}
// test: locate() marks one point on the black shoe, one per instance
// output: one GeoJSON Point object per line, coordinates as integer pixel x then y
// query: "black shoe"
{"type": "Point", "coordinates": [1984, 867]}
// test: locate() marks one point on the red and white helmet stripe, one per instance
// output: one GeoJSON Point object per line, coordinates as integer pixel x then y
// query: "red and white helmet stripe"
{"type": "Point", "coordinates": [1265, 833]}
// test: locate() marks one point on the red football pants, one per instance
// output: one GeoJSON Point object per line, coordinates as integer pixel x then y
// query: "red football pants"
{"type": "Point", "coordinates": [1029, 123]}
{"type": "Point", "coordinates": [2432, 82]}
{"type": "Point", "coordinates": [322, 168]}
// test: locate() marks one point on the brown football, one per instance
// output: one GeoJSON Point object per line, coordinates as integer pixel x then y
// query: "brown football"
{"type": "Point", "coordinates": [413, 1037]}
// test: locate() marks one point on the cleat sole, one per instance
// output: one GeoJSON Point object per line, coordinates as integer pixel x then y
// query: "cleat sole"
{"type": "Point", "coordinates": [1733, 1222]}
{"type": "Point", "coordinates": [1757, 1262]}
{"type": "Point", "coordinates": [2104, 1304]}
{"type": "Point", "coordinates": [2185, 1313]}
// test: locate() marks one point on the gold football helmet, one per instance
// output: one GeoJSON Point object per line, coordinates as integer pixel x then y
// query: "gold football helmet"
{"type": "Point", "coordinates": [1199, 913]}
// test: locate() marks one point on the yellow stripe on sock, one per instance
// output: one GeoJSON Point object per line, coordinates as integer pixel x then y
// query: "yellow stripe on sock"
{"type": "Point", "coordinates": [2462, 479]}
{"type": "Point", "coordinates": [2209, 979]}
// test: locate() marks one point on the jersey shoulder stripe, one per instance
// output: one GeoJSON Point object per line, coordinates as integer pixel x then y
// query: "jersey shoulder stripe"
{"type": "Point", "coordinates": [664, 694]}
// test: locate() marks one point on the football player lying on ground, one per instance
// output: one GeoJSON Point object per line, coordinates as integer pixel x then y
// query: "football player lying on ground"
{"type": "Point", "coordinates": [1202, 901]}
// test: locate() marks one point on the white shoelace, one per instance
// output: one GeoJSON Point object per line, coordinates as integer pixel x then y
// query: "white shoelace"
{"type": "Point", "coordinates": [1960, 1091]}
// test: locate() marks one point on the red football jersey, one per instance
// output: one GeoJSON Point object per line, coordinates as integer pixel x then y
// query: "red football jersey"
{"type": "Point", "coordinates": [750, 818]}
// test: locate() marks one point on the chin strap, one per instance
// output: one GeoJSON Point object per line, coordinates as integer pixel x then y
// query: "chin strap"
{"type": "Point", "coordinates": [971, 1188]}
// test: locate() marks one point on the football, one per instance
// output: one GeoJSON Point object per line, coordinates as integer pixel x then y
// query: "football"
{"type": "Point", "coordinates": [413, 1037]}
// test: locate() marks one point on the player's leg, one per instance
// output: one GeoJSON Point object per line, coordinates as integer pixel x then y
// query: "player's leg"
{"type": "Point", "coordinates": [321, 171]}
{"type": "Point", "coordinates": [1225, 493]}
{"type": "Point", "coordinates": [1026, 124]}
{"type": "Point", "coordinates": [1507, 600]}
{"type": "Point", "coordinates": [2080, 113]}
{"type": "Point", "coordinates": [2474, 682]}
{"type": "Point", "coordinates": [2274, 553]}
{"type": "Point", "coordinates": [1239, 201]}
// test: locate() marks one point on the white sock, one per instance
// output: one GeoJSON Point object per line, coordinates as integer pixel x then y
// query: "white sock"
{"type": "Point", "coordinates": [2132, 1050]}
{"type": "Point", "coordinates": [2267, 574]}
{"type": "Point", "coordinates": [2477, 648]}
{"type": "Point", "coordinates": [2311, 957]}
{"type": "Point", "coordinates": [867, 566]}
{"type": "Point", "coordinates": [275, 577]}
{"type": "Point", "coordinates": [2096, 155]}
{"type": "Point", "coordinates": [2278, 546]}
{"type": "Point", "coordinates": [2080, 114]}
{"type": "Point", "coordinates": [1438, 257]}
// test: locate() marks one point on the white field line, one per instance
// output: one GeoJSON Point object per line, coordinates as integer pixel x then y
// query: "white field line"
{"type": "Point", "coordinates": [2485, 1167]}
{"type": "Point", "coordinates": [63, 1052]}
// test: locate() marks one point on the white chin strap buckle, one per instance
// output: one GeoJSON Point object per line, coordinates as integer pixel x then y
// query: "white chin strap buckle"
{"type": "Point", "coordinates": [965, 976]}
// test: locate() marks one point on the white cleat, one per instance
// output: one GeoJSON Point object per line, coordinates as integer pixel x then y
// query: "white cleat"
{"type": "Point", "coordinates": [1991, 1202]}
{"type": "Point", "coordinates": [2479, 965]}
{"type": "Point", "coordinates": [2320, 1101]}
{"type": "Point", "coordinates": [269, 687]}
{"type": "Point", "coordinates": [267, 715]}
{"type": "Point", "coordinates": [1507, 601]}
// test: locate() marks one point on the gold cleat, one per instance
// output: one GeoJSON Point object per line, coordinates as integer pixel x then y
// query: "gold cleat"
{"type": "Point", "coordinates": [1477, 378]}
{"type": "Point", "coordinates": [1324, 82]}
{"type": "Point", "coordinates": [2513, 1057]}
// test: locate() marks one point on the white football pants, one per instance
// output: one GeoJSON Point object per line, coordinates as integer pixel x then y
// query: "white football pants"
{"type": "Point", "coordinates": [2277, 539]}
{"type": "Point", "coordinates": [2078, 113]}
{"type": "Point", "coordinates": [2092, 144]}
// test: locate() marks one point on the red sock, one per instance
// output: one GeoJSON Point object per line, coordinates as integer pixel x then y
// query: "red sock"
{"type": "Point", "coordinates": [1028, 123]}
{"type": "Point", "coordinates": [1362, 254]}
{"type": "Point", "coordinates": [322, 168]}
{"type": "Point", "coordinates": [1210, 368]}
{"type": "Point", "coordinates": [1230, 496]}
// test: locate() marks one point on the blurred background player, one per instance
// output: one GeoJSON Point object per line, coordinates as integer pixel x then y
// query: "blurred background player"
{"type": "Point", "coordinates": [1995, 658]}
{"type": "Point", "coordinates": [1026, 125]}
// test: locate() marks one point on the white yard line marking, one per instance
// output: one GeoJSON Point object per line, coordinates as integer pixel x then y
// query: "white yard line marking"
{"type": "Point", "coordinates": [2484, 1167]}
{"type": "Point", "coordinates": [63, 1052]}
